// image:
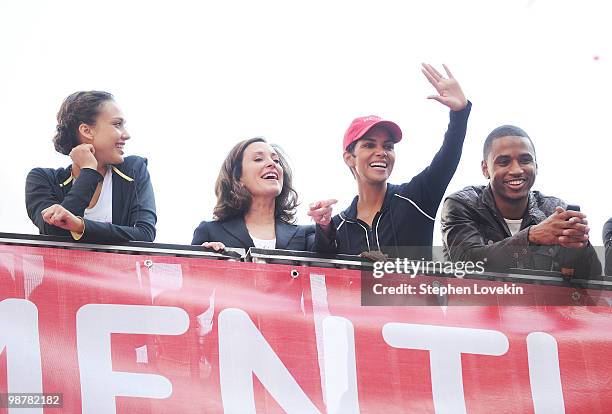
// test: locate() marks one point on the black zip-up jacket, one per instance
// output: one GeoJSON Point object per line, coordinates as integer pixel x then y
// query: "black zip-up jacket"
{"type": "Point", "coordinates": [607, 239]}
{"type": "Point", "coordinates": [134, 215]}
{"type": "Point", "coordinates": [404, 225]}
{"type": "Point", "coordinates": [473, 229]}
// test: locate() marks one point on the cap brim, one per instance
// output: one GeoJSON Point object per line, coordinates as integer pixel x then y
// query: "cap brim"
{"type": "Point", "coordinates": [394, 129]}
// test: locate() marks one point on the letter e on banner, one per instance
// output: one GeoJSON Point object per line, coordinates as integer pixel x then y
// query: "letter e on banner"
{"type": "Point", "coordinates": [99, 383]}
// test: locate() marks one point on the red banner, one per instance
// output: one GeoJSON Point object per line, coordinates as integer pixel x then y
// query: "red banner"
{"type": "Point", "coordinates": [131, 333]}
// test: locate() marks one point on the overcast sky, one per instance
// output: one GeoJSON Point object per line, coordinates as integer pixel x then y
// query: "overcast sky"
{"type": "Point", "coordinates": [195, 77]}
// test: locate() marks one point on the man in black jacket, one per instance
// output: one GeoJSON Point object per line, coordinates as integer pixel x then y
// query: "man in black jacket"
{"type": "Point", "coordinates": [385, 217]}
{"type": "Point", "coordinates": [509, 226]}
{"type": "Point", "coordinates": [607, 238]}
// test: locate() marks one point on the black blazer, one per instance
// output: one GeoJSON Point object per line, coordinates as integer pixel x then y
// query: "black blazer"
{"type": "Point", "coordinates": [234, 233]}
{"type": "Point", "coordinates": [134, 214]}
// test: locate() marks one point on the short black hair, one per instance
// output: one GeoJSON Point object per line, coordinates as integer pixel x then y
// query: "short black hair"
{"type": "Point", "coordinates": [503, 131]}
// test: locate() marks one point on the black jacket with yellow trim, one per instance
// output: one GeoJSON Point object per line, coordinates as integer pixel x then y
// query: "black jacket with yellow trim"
{"type": "Point", "coordinates": [134, 214]}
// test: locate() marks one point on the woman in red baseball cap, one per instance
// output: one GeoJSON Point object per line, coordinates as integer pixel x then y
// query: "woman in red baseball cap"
{"type": "Point", "coordinates": [387, 217]}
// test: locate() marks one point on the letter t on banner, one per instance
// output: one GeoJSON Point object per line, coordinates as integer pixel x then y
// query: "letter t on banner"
{"type": "Point", "coordinates": [445, 345]}
{"type": "Point", "coordinates": [95, 323]}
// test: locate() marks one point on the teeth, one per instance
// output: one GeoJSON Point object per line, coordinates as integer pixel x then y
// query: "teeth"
{"type": "Point", "coordinates": [378, 164]}
{"type": "Point", "coordinates": [516, 182]}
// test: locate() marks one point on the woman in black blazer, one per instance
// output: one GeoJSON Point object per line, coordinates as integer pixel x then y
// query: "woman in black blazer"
{"type": "Point", "coordinates": [102, 196]}
{"type": "Point", "coordinates": [255, 203]}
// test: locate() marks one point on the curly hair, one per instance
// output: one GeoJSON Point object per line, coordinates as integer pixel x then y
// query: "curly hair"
{"type": "Point", "coordinates": [234, 200]}
{"type": "Point", "coordinates": [79, 108]}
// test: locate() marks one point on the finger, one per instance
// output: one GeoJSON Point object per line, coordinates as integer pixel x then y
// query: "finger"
{"type": "Point", "coordinates": [48, 213]}
{"type": "Point", "coordinates": [430, 78]}
{"type": "Point", "coordinates": [59, 218]}
{"type": "Point", "coordinates": [575, 233]}
{"type": "Point", "coordinates": [321, 212]}
{"type": "Point", "coordinates": [575, 225]}
{"type": "Point", "coordinates": [448, 72]}
{"type": "Point", "coordinates": [437, 75]}
{"type": "Point", "coordinates": [327, 203]}
{"type": "Point", "coordinates": [437, 98]}
{"type": "Point", "coordinates": [575, 214]}
{"type": "Point", "coordinates": [431, 71]}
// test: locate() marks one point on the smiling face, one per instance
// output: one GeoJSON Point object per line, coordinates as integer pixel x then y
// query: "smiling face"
{"type": "Point", "coordinates": [373, 157]}
{"type": "Point", "coordinates": [262, 174]}
{"type": "Point", "coordinates": [107, 135]}
{"type": "Point", "coordinates": [511, 168]}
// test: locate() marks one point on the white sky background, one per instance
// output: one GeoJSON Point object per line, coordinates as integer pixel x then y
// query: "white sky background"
{"type": "Point", "coordinates": [193, 78]}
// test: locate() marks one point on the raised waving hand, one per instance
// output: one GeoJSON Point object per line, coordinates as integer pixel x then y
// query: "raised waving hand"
{"type": "Point", "coordinates": [449, 90]}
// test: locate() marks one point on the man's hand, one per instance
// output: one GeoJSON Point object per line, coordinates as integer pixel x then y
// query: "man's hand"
{"type": "Point", "coordinates": [58, 216]}
{"type": "Point", "coordinates": [216, 246]}
{"type": "Point", "coordinates": [449, 91]}
{"type": "Point", "coordinates": [566, 228]}
{"type": "Point", "coordinates": [321, 212]}
{"type": "Point", "coordinates": [83, 156]}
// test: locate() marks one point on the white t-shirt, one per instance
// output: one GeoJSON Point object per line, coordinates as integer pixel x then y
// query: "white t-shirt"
{"type": "Point", "coordinates": [263, 243]}
{"type": "Point", "coordinates": [103, 210]}
{"type": "Point", "coordinates": [514, 225]}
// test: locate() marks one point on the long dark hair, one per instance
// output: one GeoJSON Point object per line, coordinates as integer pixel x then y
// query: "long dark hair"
{"type": "Point", "coordinates": [79, 108]}
{"type": "Point", "coordinates": [234, 200]}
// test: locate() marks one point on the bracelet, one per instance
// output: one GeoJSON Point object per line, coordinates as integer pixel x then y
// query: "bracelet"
{"type": "Point", "coordinates": [75, 235]}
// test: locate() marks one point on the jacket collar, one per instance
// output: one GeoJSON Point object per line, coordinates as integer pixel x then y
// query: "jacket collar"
{"type": "Point", "coordinates": [70, 178]}
{"type": "Point", "coordinates": [284, 234]}
{"type": "Point", "coordinates": [350, 214]}
{"type": "Point", "coordinates": [533, 214]}
{"type": "Point", "coordinates": [237, 228]}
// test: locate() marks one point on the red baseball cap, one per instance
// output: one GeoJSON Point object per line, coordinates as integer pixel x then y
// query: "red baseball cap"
{"type": "Point", "coordinates": [360, 126]}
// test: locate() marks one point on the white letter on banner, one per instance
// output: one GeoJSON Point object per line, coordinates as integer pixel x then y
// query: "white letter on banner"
{"type": "Point", "coordinates": [340, 371]}
{"type": "Point", "coordinates": [445, 345]}
{"type": "Point", "coordinates": [544, 373]}
{"type": "Point", "coordinates": [95, 323]}
{"type": "Point", "coordinates": [243, 351]}
{"type": "Point", "coordinates": [19, 334]}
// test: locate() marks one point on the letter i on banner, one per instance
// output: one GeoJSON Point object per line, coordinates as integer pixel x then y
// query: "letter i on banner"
{"type": "Point", "coordinates": [544, 373]}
